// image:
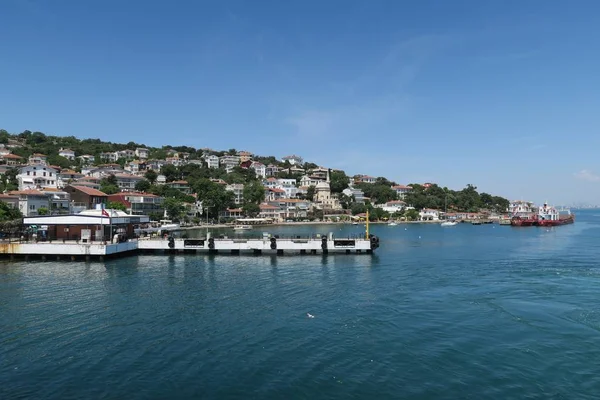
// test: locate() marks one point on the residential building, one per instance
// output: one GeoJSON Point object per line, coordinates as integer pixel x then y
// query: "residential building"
{"type": "Point", "coordinates": [11, 159]}
{"type": "Point", "coordinates": [269, 211]}
{"type": "Point", "coordinates": [30, 201]}
{"type": "Point", "coordinates": [320, 172]}
{"type": "Point", "coordinates": [105, 170]}
{"type": "Point", "coordinates": [429, 214]}
{"type": "Point", "coordinates": [229, 162]}
{"type": "Point", "coordinates": [3, 150]}
{"type": "Point", "coordinates": [259, 168]}
{"type": "Point", "coordinates": [289, 186]}
{"type": "Point", "coordinates": [126, 154]}
{"type": "Point", "coordinates": [11, 200]}
{"type": "Point", "coordinates": [402, 190]}
{"type": "Point", "coordinates": [134, 166]}
{"type": "Point", "coordinates": [212, 161]}
{"type": "Point", "coordinates": [161, 179]}
{"type": "Point", "coordinates": [181, 185]}
{"type": "Point", "coordinates": [245, 156]}
{"type": "Point", "coordinates": [293, 159]}
{"type": "Point", "coordinates": [110, 156]}
{"type": "Point", "coordinates": [67, 153]}
{"type": "Point", "coordinates": [155, 165]}
{"type": "Point", "coordinates": [238, 192]}
{"type": "Point", "coordinates": [89, 181]}
{"type": "Point", "coordinates": [142, 153]}
{"type": "Point", "coordinates": [127, 182]}
{"type": "Point", "coordinates": [245, 164]}
{"type": "Point", "coordinates": [359, 195]}
{"type": "Point", "coordinates": [36, 177]}
{"type": "Point", "coordinates": [232, 213]}
{"type": "Point", "coordinates": [274, 194]}
{"type": "Point", "coordinates": [296, 170]}
{"type": "Point", "coordinates": [138, 203]}
{"type": "Point", "coordinates": [58, 201]}
{"type": "Point", "coordinates": [67, 176]}
{"type": "Point", "coordinates": [310, 181]}
{"type": "Point", "coordinates": [38, 159]}
{"type": "Point", "coordinates": [84, 198]}
{"type": "Point", "coordinates": [366, 179]}
{"type": "Point", "coordinates": [393, 206]}
{"type": "Point", "coordinates": [292, 208]}
{"type": "Point", "coordinates": [271, 170]}
{"type": "Point", "coordinates": [270, 183]}
{"type": "Point", "coordinates": [176, 161]}
{"type": "Point", "coordinates": [87, 159]}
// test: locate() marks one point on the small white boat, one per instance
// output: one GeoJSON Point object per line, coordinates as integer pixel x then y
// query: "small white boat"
{"type": "Point", "coordinates": [168, 225]}
{"type": "Point", "coordinates": [449, 223]}
{"type": "Point", "coordinates": [242, 227]}
{"type": "Point", "coordinates": [355, 223]}
{"type": "Point", "coordinates": [392, 223]}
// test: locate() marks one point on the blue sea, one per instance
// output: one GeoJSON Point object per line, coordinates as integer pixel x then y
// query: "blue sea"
{"type": "Point", "coordinates": [469, 312]}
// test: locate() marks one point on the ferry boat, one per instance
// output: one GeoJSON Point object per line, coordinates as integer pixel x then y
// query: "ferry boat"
{"type": "Point", "coordinates": [524, 213]}
{"type": "Point", "coordinates": [550, 216]}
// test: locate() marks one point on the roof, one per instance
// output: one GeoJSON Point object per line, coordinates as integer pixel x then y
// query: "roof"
{"type": "Point", "coordinates": [179, 182]}
{"type": "Point", "coordinates": [292, 156]}
{"type": "Point", "coordinates": [268, 207]}
{"type": "Point", "coordinates": [401, 187]}
{"type": "Point", "coordinates": [123, 194]}
{"type": "Point", "coordinates": [28, 192]}
{"type": "Point", "coordinates": [13, 156]}
{"type": "Point", "coordinates": [234, 209]}
{"type": "Point", "coordinates": [66, 150]}
{"type": "Point", "coordinates": [276, 190]}
{"type": "Point", "coordinates": [38, 155]}
{"type": "Point", "coordinates": [89, 178]}
{"type": "Point", "coordinates": [395, 202]}
{"type": "Point", "coordinates": [128, 176]}
{"type": "Point", "coordinates": [7, 196]}
{"type": "Point", "coordinates": [89, 191]}
{"type": "Point", "coordinates": [70, 172]}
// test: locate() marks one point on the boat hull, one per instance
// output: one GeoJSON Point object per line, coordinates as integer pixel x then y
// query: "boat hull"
{"type": "Point", "coordinates": [563, 221]}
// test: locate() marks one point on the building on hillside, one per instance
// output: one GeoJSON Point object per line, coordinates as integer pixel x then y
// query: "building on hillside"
{"type": "Point", "coordinates": [292, 208]}
{"type": "Point", "coordinates": [106, 170]}
{"type": "Point", "coordinates": [142, 153]}
{"type": "Point", "coordinates": [59, 201]}
{"type": "Point", "coordinates": [127, 182]}
{"type": "Point", "coordinates": [138, 203]}
{"type": "Point", "coordinates": [293, 159]}
{"type": "Point", "coordinates": [89, 181]}
{"type": "Point", "coordinates": [229, 162]}
{"type": "Point", "coordinates": [176, 161]}
{"type": "Point", "coordinates": [319, 172]}
{"type": "Point", "coordinates": [270, 183]}
{"type": "Point", "coordinates": [67, 153]}
{"type": "Point", "coordinates": [181, 185]}
{"type": "Point", "coordinates": [310, 181]}
{"type": "Point", "coordinates": [366, 179]}
{"type": "Point", "coordinates": [296, 170]}
{"type": "Point", "coordinates": [87, 159]}
{"type": "Point", "coordinates": [38, 159]}
{"type": "Point", "coordinates": [126, 154]}
{"type": "Point", "coordinates": [273, 194]}
{"type": "Point", "coordinates": [84, 198]}
{"type": "Point", "coordinates": [244, 156]}
{"type": "Point", "coordinates": [212, 161]}
{"type": "Point", "coordinates": [323, 198]}
{"type": "Point", "coordinates": [271, 170]}
{"type": "Point", "coordinates": [259, 169]}
{"type": "Point", "coordinates": [359, 195]}
{"type": "Point", "coordinates": [135, 166]}
{"type": "Point", "coordinates": [401, 190]}
{"type": "Point", "coordinates": [232, 213]}
{"type": "Point", "coordinates": [238, 192]}
{"type": "Point", "coordinates": [3, 150]}
{"type": "Point", "coordinates": [161, 179]}
{"type": "Point", "coordinates": [68, 176]}
{"type": "Point", "coordinates": [289, 186]}
{"type": "Point", "coordinates": [155, 165]}
{"type": "Point", "coordinates": [31, 201]}
{"type": "Point", "coordinates": [11, 159]}
{"type": "Point", "coordinates": [245, 164]}
{"type": "Point", "coordinates": [110, 156]}
{"type": "Point", "coordinates": [429, 214]}
{"type": "Point", "coordinates": [36, 177]}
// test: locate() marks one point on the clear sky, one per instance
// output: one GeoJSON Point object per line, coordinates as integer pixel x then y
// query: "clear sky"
{"type": "Point", "coordinates": [501, 94]}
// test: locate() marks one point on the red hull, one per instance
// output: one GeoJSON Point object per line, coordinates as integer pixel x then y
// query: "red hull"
{"type": "Point", "coordinates": [541, 222]}
{"type": "Point", "coordinates": [569, 220]}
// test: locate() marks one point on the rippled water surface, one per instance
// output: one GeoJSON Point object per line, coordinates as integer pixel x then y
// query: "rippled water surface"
{"type": "Point", "coordinates": [475, 312]}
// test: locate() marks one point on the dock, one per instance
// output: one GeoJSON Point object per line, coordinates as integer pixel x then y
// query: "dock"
{"type": "Point", "coordinates": [267, 245]}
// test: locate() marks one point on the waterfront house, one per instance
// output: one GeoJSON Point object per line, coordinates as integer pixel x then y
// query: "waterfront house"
{"type": "Point", "coordinates": [292, 208]}
{"type": "Point", "coordinates": [181, 185]}
{"type": "Point", "coordinates": [37, 176]}
{"type": "Point", "coordinates": [429, 214]}
{"type": "Point", "coordinates": [67, 153]}
{"type": "Point", "coordinates": [232, 213]}
{"type": "Point", "coordinates": [293, 159]}
{"type": "Point", "coordinates": [269, 211]}
{"type": "Point", "coordinates": [401, 190]}
{"type": "Point", "coordinates": [142, 153]}
{"type": "Point", "coordinates": [127, 182]}
{"type": "Point", "coordinates": [84, 197]}
{"type": "Point", "coordinates": [393, 206]}
{"type": "Point", "coordinates": [58, 201]}
{"type": "Point", "coordinates": [138, 203]}
{"type": "Point", "coordinates": [31, 201]}
{"type": "Point", "coordinates": [38, 159]}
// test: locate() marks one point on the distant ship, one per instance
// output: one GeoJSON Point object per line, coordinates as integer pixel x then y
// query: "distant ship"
{"type": "Point", "coordinates": [526, 214]}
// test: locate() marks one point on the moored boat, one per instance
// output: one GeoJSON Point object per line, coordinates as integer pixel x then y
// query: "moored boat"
{"type": "Point", "coordinates": [550, 216]}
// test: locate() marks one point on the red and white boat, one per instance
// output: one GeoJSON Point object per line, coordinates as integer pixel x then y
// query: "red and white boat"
{"type": "Point", "coordinates": [550, 216]}
{"type": "Point", "coordinates": [526, 214]}
{"type": "Point", "coordinates": [523, 213]}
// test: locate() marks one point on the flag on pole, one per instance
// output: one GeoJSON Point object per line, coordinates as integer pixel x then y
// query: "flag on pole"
{"type": "Point", "coordinates": [105, 213]}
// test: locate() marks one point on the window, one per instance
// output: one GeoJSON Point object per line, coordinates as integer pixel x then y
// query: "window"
{"type": "Point", "coordinates": [28, 173]}
{"type": "Point", "coordinates": [44, 173]}
{"type": "Point", "coordinates": [34, 173]}
{"type": "Point", "coordinates": [32, 206]}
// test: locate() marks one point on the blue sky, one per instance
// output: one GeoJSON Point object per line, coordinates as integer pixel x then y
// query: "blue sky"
{"type": "Point", "coordinates": [501, 94]}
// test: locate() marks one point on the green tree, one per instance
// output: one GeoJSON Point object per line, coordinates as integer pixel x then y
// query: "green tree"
{"type": "Point", "coordinates": [358, 208]}
{"type": "Point", "coordinates": [9, 213]}
{"type": "Point", "coordinates": [254, 192]}
{"type": "Point", "coordinates": [174, 208]}
{"type": "Point", "coordinates": [170, 172]}
{"type": "Point", "coordinates": [213, 196]}
{"type": "Point", "coordinates": [346, 201]}
{"type": "Point", "coordinates": [142, 186]}
{"type": "Point", "coordinates": [115, 205]}
{"type": "Point", "coordinates": [59, 161]}
{"type": "Point", "coordinates": [251, 209]}
{"type": "Point", "coordinates": [310, 193]}
{"type": "Point", "coordinates": [339, 181]}
{"type": "Point", "coordinates": [151, 175]}
{"type": "Point", "coordinates": [412, 215]}
{"type": "Point", "coordinates": [42, 211]}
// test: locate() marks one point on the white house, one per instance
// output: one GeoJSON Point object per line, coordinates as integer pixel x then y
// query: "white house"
{"type": "Point", "coordinates": [229, 162]}
{"type": "Point", "coordinates": [293, 159]}
{"type": "Point", "coordinates": [87, 159]}
{"type": "Point", "coordinates": [142, 153]}
{"type": "Point", "coordinates": [392, 206]}
{"type": "Point", "coordinates": [259, 168]}
{"type": "Point", "coordinates": [110, 156]}
{"type": "Point", "coordinates": [67, 153]}
{"type": "Point", "coordinates": [38, 159]}
{"type": "Point", "coordinates": [402, 190]}
{"type": "Point", "coordinates": [271, 170]}
{"type": "Point", "coordinates": [238, 191]}
{"type": "Point", "coordinates": [127, 154]}
{"type": "Point", "coordinates": [212, 161]}
{"type": "Point", "coordinates": [367, 179]}
{"type": "Point", "coordinates": [359, 195]}
{"type": "Point", "coordinates": [37, 177]}
{"type": "Point", "coordinates": [429, 214]}
{"type": "Point", "coordinates": [127, 182]}
{"type": "Point", "coordinates": [310, 181]}
{"type": "Point", "coordinates": [161, 179]}
{"type": "Point", "coordinates": [30, 201]}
